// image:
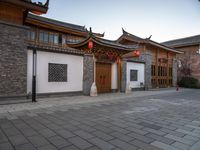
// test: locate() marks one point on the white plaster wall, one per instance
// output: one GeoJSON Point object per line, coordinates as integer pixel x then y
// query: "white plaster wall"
{"type": "Point", "coordinates": [74, 72]}
{"type": "Point", "coordinates": [135, 66]}
{"type": "Point", "coordinates": [114, 76]}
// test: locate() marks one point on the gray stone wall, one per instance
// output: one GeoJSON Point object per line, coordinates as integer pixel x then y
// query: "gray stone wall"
{"type": "Point", "coordinates": [13, 60]}
{"type": "Point", "coordinates": [88, 73]}
{"type": "Point", "coordinates": [174, 72]}
{"type": "Point", "coordinates": [123, 75]}
{"type": "Point", "coordinates": [148, 60]}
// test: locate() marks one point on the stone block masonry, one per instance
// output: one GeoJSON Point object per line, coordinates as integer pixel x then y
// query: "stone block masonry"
{"type": "Point", "coordinates": [13, 60]}
{"type": "Point", "coordinates": [88, 73]}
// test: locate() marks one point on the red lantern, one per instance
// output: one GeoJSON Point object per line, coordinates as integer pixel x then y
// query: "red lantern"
{"type": "Point", "coordinates": [90, 44]}
{"type": "Point", "coordinates": [137, 53]}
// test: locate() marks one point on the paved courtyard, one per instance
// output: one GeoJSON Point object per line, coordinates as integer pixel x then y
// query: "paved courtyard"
{"type": "Point", "coordinates": [145, 120]}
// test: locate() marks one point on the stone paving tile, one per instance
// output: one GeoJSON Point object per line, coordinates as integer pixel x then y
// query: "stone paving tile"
{"type": "Point", "coordinates": [103, 145]}
{"type": "Point", "coordinates": [47, 133]}
{"type": "Point", "coordinates": [3, 138]}
{"type": "Point", "coordinates": [94, 148]}
{"type": "Point", "coordinates": [27, 146]}
{"type": "Point", "coordinates": [83, 134]}
{"type": "Point", "coordinates": [158, 132]}
{"type": "Point", "coordinates": [64, 133]}
{"type": "Point", "coordinates": [11, 131]}
{"type": "Point", "coordinates": [38, 141]}
{"type": "Point", "coordinates": [180, 146]}
{"type": "Point", "coordinates": [123, 145]}
{"type": "Point", "coordinates": [18, 140]}
{"type": "Point", "coordinates": [141, 137]}
{"type": "Point", "coordinates": [47, 147]}
{"type": "Point", "coordinates": [80, 143]}
{"type": "Point", "coordinates": [59, 142]}
{"type": "Point", "coordinates": [163, 146]}
{"type": "Point", "coordinates": [160, 138]}
{"type": "Point", "coordinates": [122, 137]}
{"type": "Point", "coordinates": [176, 133]}
{"type": "Point", "coordinates": [143, 145]}
{"type": "Point", "coordinates": [182, 140]}
{"type": "Point", "coordinates": [139, 131]}
{"type": "Point", "coordinates": [70, 148]}
{"type": "Point", "coordinates": [148, 125]}
{"type": "Point", "coordinates": [188, 133]}
{"type": "Point", "coordinates": [102, 135]}
{"type": "Point", "coordinates": [6, 146]}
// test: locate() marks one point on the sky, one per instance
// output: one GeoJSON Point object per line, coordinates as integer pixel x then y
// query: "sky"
{"type": "Point", "coordinates": [163, 19]}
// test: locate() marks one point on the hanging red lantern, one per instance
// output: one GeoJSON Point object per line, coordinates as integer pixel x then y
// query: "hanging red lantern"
{"type": "Point", "coordinates": [90, 44]}
{"type": "Point", "coordinates": [137, 53]}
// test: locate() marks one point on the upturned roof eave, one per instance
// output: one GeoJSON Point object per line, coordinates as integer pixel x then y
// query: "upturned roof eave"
{"type": "Point", "coordinates": [96, 40]}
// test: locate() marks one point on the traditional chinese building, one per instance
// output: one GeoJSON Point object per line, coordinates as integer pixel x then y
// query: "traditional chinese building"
{"type": "Point", "coordinates": [190, 59]}
{"type": "Point", "coordinates": [50, 57]}
{"type": "Point", "coordinates": [161, 66]}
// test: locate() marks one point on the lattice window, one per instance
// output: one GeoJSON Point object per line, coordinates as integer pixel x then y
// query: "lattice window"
{"type": "Point", "coordinates": [133, 75]}
{"type": "Point", "coordinates": [57, 72]}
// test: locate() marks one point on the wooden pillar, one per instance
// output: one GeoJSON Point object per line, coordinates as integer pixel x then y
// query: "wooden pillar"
{"type": "Point", "coordinates": [168, 69]}
{"type": "Point", "coordinates": [119, 75]}
{"type": "Point", "coordinates": [156, 68]}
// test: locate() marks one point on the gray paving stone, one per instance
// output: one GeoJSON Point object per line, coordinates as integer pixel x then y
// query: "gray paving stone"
{"type": "Point", "coordinates": [143, 145]}
{"type": "Point", "coordinates": [102, 135]}
{"type": "Point", "coordinates": [3, 138]}
{"type": "Point", "coordinates": [141, 137]}
{"type": "Point", "coordinates": [6, 146]}
{"type": "Point", "coordinates": [163, 146]}
{"type": "Point", "coordinates": [160, 138]}
{"type": "Point", "coordinates": [94, 148]}
{"type": "Point", "coordinates": [38, 141]}
{"type": "Point", "coordinates": [47, 133]}
{"type": "Point", "coordinates": [148, 125]}
{"type": "Point", "coordinates": [65, 134]}
{"type": "Point", "coordinates": [28, 132]}
{"type": "Point", "coordinates": [47, 147]}
{"type": "Point", "coordinates": [158, 132]}
{"type": "Point", "coordinates": [18, 140]}
{"type": "Point", "coordinates": [80, 143]}
{"type": "Point", "coordinates": [182, 140]}
{"type": "Point", "coordinates": [70, 148]}
{"type": "Point", "coordinates": [27, 146]}
{"type": "Point", "coordinates": [103, 145]}
{"type": "Point", "coordinates": [180, 146]}
{"type": "Point", "coordinates": [139, 131]}
{"type": "Point", "coordinates": [176, 133]}
{"type": "Point", "coordinates": [195, 146]}
{"type": "Point", "coordinates": [83, 134]}
{"type": "Point", "coordinates": [59, 142]}
{"type": "Point", "coordinates": [121, 136]}
{"type": "Point", "coordinates": [11, 131]}
{"type": "Point", "coordinates": [123, 145]}
{"type": "Point", "coordinates": [188, 133]}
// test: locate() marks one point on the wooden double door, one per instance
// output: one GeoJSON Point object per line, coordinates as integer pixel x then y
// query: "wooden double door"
{"type": "Point", "coordinates": [103, 77]}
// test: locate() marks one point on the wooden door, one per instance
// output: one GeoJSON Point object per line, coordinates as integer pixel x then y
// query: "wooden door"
{"type": "Point", "coordinates": [103, 77]}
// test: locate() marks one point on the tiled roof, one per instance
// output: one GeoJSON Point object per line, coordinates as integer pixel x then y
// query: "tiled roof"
{"type": "Point", "coordinates": [58, 23]}
{"type": "Point", "coordinates": [192, 40]}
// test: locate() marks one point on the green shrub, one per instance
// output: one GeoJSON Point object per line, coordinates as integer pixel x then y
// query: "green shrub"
{"type": "Point", "coordinates": [189, 82]}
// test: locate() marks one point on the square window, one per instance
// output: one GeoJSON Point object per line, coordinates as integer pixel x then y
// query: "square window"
{"type": "Point", "coordinates": [57, 72]}
{"type": "Point", "coordinates": [133, 75]}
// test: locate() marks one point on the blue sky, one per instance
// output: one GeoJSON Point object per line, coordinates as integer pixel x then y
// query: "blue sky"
{"type": "Point", "coordinates": [163, 19]}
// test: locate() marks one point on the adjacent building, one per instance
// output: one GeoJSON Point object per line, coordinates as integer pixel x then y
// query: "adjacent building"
{"type": "Point", "coordinates": [51, 57]}
{"type": "Point", "coordinates": [189, 60]}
